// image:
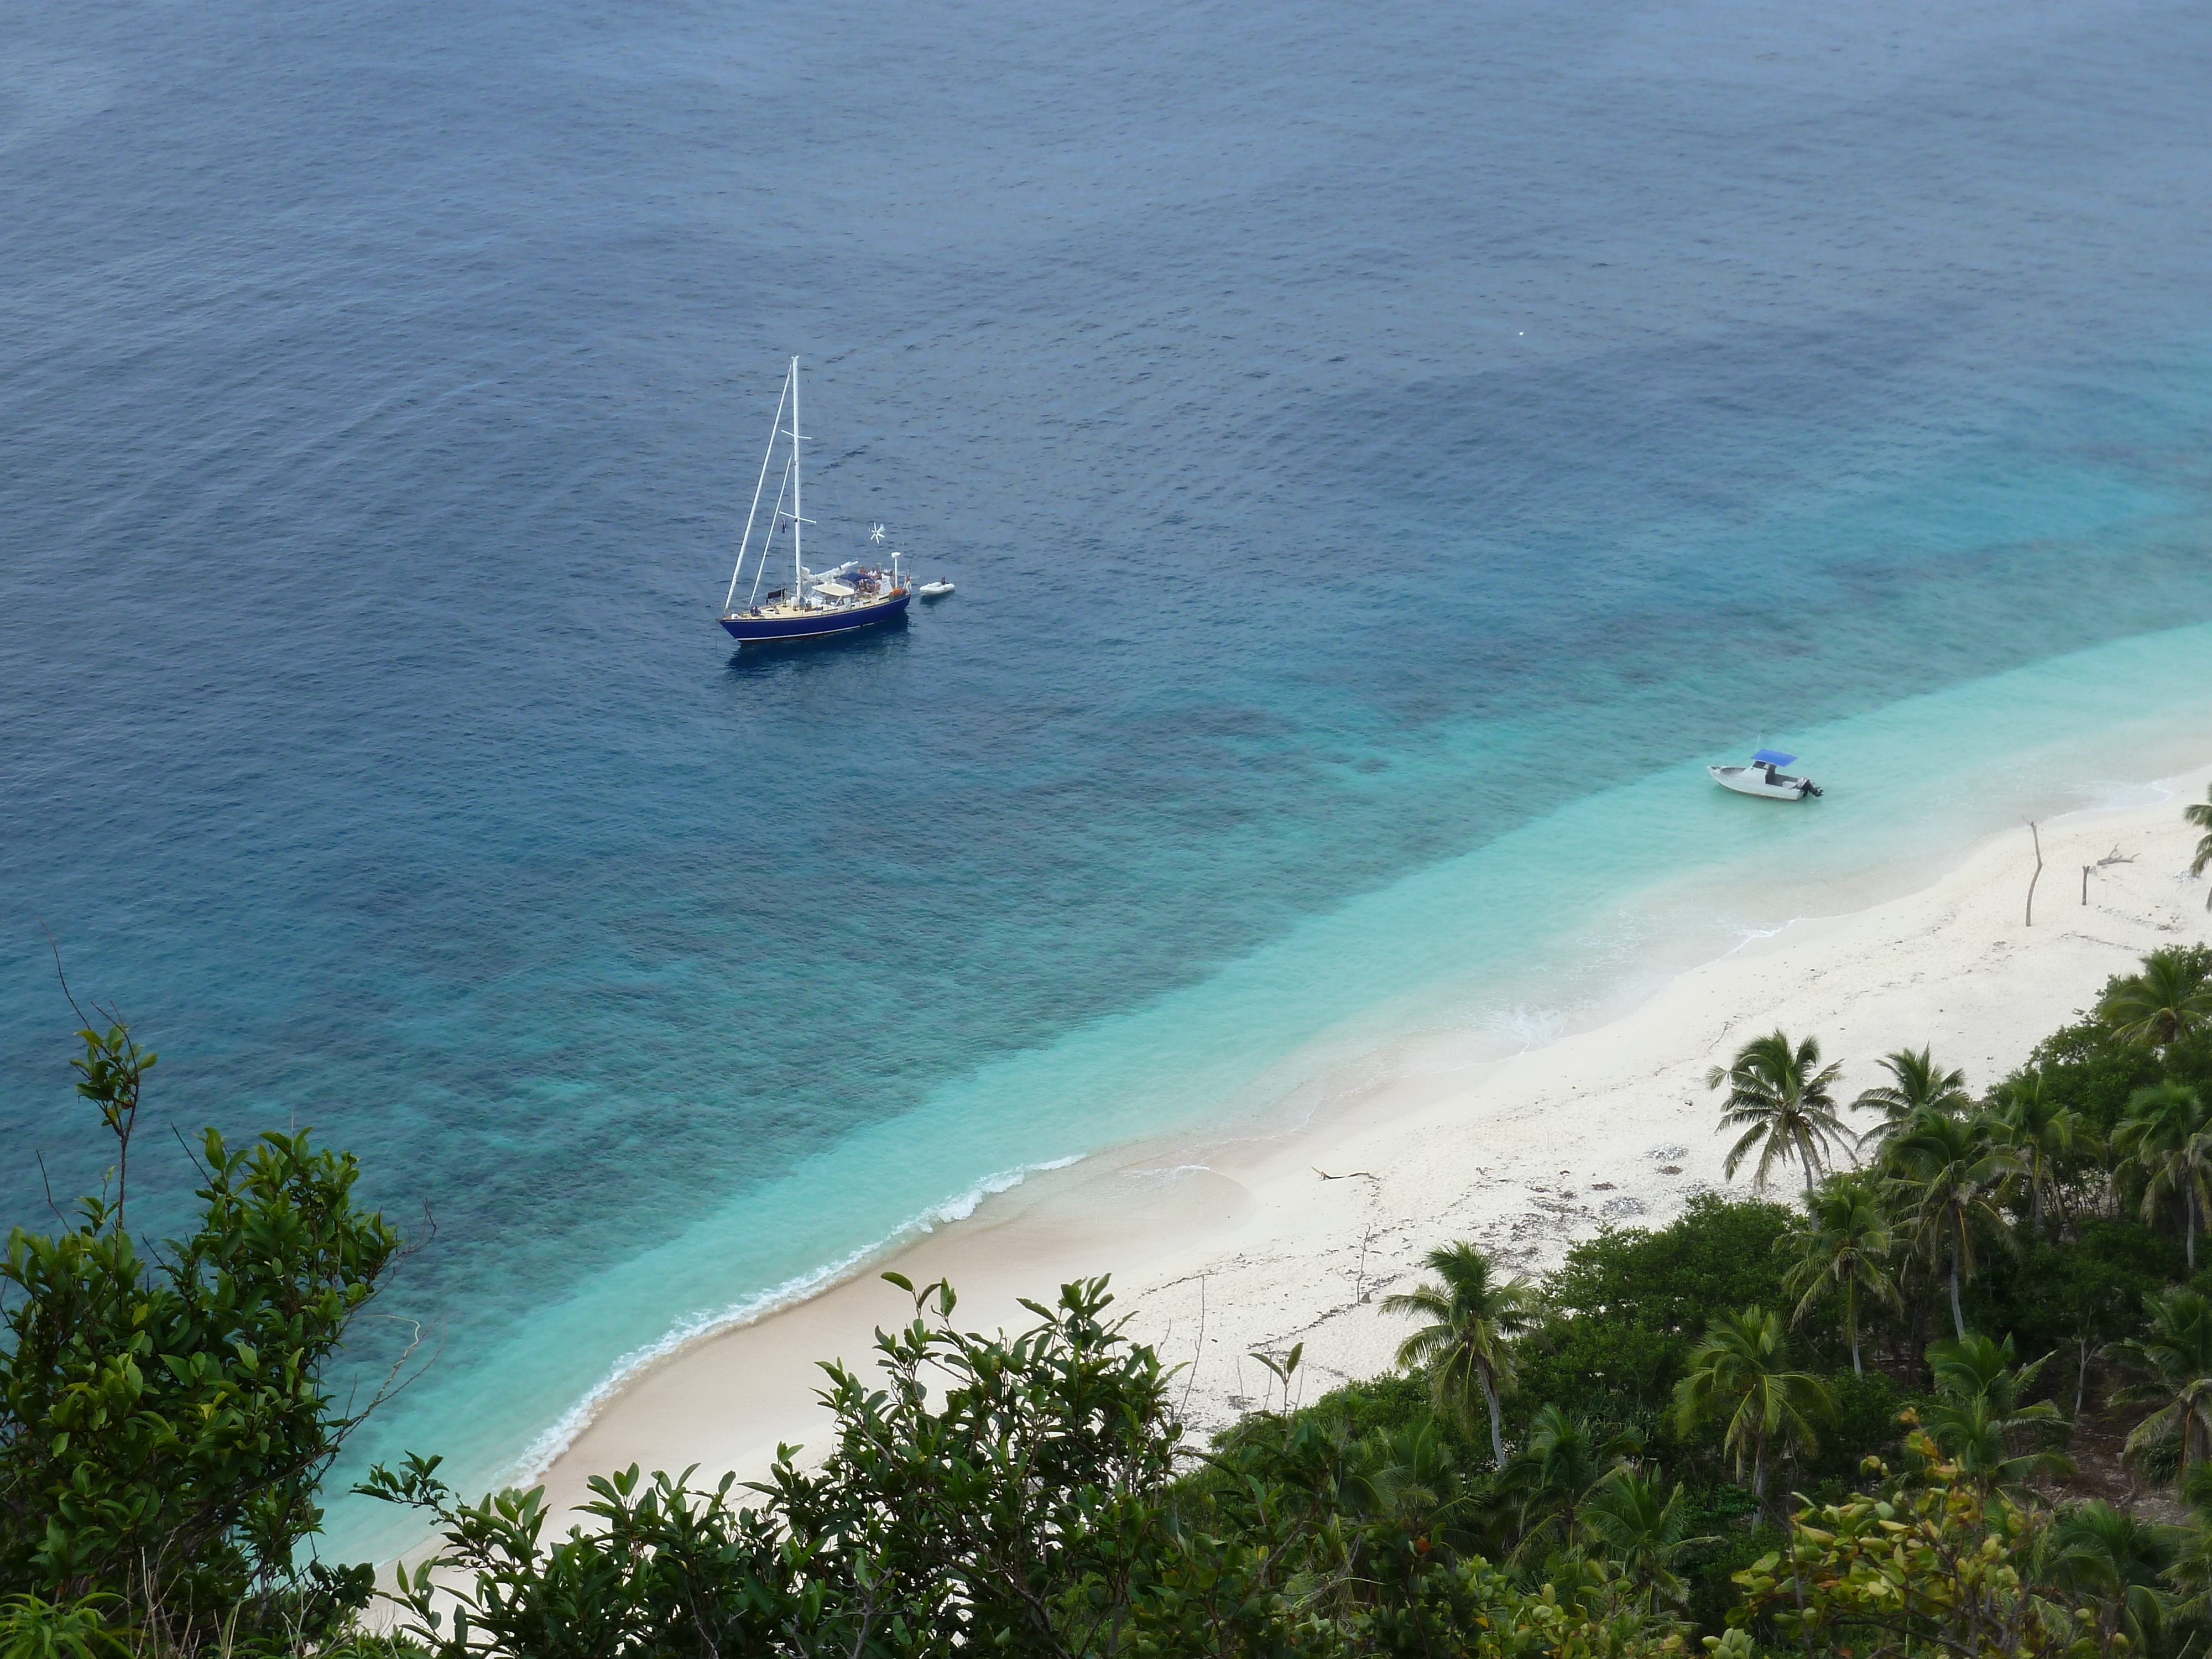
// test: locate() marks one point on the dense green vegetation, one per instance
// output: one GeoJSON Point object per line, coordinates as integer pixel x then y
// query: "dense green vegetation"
{"type": "Point", "coordinates": [1945, 1387]}
{"type": "Point", "coordinates": [164, 1429]}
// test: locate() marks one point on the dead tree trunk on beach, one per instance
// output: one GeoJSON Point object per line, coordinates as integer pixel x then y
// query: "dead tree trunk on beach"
{"type": "Point", "coordinates": [2112, 857]}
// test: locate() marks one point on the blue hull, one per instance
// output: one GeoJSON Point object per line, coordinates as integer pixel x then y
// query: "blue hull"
{"type": "Point", "coordinates": [757, 630]}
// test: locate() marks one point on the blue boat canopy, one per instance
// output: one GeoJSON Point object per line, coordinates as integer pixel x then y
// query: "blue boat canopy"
{"type": "Point", "coordinates": [1771, 757]}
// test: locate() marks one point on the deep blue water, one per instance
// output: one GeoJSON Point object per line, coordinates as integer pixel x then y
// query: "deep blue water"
{"type": "Point", "coordinates": [1360, 434]}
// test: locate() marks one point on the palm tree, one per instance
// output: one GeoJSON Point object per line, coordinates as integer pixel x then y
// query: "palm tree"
{"type": "Point", "coordinates": [1415, 1475]}
{"type": "Point", "coordinates": [1642, 1527]}
{"type": "Point", "coordinates": [1977, 1417]}
{"type": "Point", "coordinates": [1409, 1472]}
{"type": "Point", "coordinates": [1739, 1371]}
{"type": "Point", "coordinates": [1947, 1176]}
{"type": "Point", "coordinates": [1472, 1320]}
{"type": "Point", "coordinates": [1844, 1242]}
{"type": "Point", "coordinates": [1780, 1095]}
{"type": "Point", "coordinates": [2112, 1560]}
{"type": "Point", "coordinates": [2201, 815]}
{"type": "Point", "coordinates": [2033, 1124]}
{"type": "Point", "coordinates": [1979, 1436]}
{"type": "Point", "coordinates": [1979, 1365]}
{"type": "Point", "coordinates": [1917, 1085]}
{"type": "Point", "coordinates": [2175, 1360]}
{"type": "Point", "coordinates": [2191, 1571]}
{"type": "Point", "coordinates": [2167, 1003]}
{"type": "Point", "coordinates": [2163, 1137]}
{"type": "Point", "coordinates": [1562, 1462]}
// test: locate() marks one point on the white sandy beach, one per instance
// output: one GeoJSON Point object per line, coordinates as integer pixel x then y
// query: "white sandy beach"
{"type": "Point", "coordinates": [1258, 1244]}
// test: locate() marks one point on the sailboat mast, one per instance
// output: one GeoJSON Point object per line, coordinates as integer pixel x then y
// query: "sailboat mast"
{"type": "Point", "coordinates": [759, 484]}
{"type": "Point", "coordinates": [798, 505]}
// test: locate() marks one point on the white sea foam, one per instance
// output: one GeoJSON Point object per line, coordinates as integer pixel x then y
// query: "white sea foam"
{"type": "Point", "coordinates": [1752, 935]}
{"type": "Point", "coordinates": [1168, 1173]}
{"type": "Point", "coordinates": [1531, 1028]}
{"type": "Point", "coordinates": [692, 1327]}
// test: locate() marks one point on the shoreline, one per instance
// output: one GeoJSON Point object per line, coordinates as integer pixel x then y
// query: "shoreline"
{"type": "Point", "coordinates": [1246, 1239]}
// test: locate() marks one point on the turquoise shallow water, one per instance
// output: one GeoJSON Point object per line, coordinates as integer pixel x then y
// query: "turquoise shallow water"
{"type": "Point", "coordinates": [1384, 453]}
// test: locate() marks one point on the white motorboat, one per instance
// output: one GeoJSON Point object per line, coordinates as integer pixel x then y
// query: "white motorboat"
{"type": "Point", "coordinates": [1765, 777]}
{"type": "Point", "coordinates": [934, 590]}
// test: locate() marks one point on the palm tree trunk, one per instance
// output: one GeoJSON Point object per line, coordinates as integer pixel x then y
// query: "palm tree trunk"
{"type": "Point", "coordinates": [2189, 1235]}
{"type": "Point", "coordinates": [1851, 1322]}
{"type": "Point", "coordinates": [1497, 1426]}
{"type": "Point", "coordinates": [1958, 1319]}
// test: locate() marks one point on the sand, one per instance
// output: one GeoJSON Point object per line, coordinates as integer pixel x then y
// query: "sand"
{"type": "Point", "coordinates": [1217, 1250]}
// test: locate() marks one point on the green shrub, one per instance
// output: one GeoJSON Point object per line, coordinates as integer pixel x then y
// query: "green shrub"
{"type": "Point", "coordinates": [164, 1429]}
{"type": "Point", "coordinates": [1865, 1425]}
{"type": "Point", "coordinates": [1627, 1307]}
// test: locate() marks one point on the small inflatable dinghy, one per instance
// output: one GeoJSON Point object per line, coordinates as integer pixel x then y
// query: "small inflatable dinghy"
{"type": "Point", "coordinates": [1763, 777]}
{"type": "Point", "coordinates": [934, 590]}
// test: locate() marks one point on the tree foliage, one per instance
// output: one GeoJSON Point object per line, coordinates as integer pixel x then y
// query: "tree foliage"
{"type": "Point", "coordinates": [164, 1423]}
{"type": "Point", "coordinates": [1942, 1567]}
{"type": "Point", "coordinates": [1627, 1307]}
{"type": "Point", "coordinates": [1843, 1248]}
{"type": "Point", "coordinates": [2199, 814]}
{"type": "Point", "coordinates": [165, 1428]}
{"type": "Point", "coordinates": [1741, 1377]}
{"type": "Point", "coordinates": [2172, 1363]}
{"type": "Point", "coordinates": [1032, 1510]}
{"type": "Point", "coordinates": [1949, 1177]}
{"type": "Point", "coordinates": [1781, 1096]}
{"type": "Point", "coordinates": [1916, 1086]}
{"type": "Point", "coordinates": [2167, 1001]}
{"type": "Point", "coordinates": [1465, 1347]}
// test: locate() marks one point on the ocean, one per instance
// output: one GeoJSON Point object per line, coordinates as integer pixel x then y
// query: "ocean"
{"type": "Point", "coordinates": [1383, 452]}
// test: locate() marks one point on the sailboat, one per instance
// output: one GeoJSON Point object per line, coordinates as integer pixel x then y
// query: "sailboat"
{"type": "Point", "coordinates": [815, 602]}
